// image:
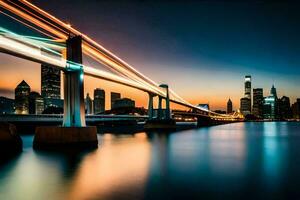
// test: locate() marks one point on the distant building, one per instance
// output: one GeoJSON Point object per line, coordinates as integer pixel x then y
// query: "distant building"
{"type": "Point", "coordinates": [245, 102]}
{"type": "Point", "coordinates": [113, 97]}
{"type": "Point", "coordinates": [258, 100]}
{"type": "Point", "coordinates": [296, 109]}
{"type": "Point", "coordinates": [204, 106]}
{"type": "Point", "coordinates": [7, 105]}
{"type": "Point", "coordinates": [53, 103]}
{"type": "Point", "coordinates": [245, 106]}
{"type": "Point", "coordinates": [22, 98]}
{"type": "Point", "coordinates": [248, 89]}
{"type": "Point", "coordinates": [88, 104]}
{"type": "Point", "coordinates": [284, 108]}
{"type": "Point", "coordinates": [36, 103]}
{"type": "Point", "coordinates": [273, 91]}
{"type": "Point", "coordinates": [99, 101]}
{"type": "Point", "coordinates": [124, 103]}
{"type": "Point", "coordinates": [50, 86]}
{"type": "Point", "coordinates": [270, 109]}
{"type": "Point", "coordinates": [229, 106]}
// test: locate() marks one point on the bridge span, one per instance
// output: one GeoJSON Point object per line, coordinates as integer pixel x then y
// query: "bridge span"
{"type": "Point", "coordinates": [63, 47]}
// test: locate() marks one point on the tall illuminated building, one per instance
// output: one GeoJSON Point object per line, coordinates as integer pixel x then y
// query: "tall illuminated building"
{"type": "Point", "coordinates": [245, 106]}
{"type": "Point", "coordinates": [229, 106]}
{"type": "Point", "coordinates": [50, 86]}
{"type": "Point", "coordinates": [22, 92]}
{"type": "Point", "coordinates": [99, 101]}
{"type": "Point", "coordinates": [246, 102]}
{"type": "Point", "coordinates": [258, 100]}
{"type": "Point", "coordinates": [270, 106]}
{"type": "Point", "coordinates": [248, 87]}
{"type": "Point", "coordinates": [113, 97]}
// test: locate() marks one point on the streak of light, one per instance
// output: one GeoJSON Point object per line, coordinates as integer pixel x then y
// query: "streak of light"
{"type": "Point", "coordinates": [91, 48]}
{"type": "Point", "coordinates": [24, 49]}
{"type": "Point", "coordinates": [26, 24]}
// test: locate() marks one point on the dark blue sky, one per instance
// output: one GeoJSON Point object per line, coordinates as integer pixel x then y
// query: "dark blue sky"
{"type": "Point", "coordinates": [206, 46]}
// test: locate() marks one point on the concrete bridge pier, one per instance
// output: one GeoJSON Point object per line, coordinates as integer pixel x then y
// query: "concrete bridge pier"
{"type": "Point", "coordinates": [161, 121]}
{"type": "Point", "coordinates": [74, 131]}
{"type": "Point", "coordinates": [159, 111]}
{"type": "Point", "coordinates": [150, 106]}
{"type": "Point", "coordinates": [168, 110]}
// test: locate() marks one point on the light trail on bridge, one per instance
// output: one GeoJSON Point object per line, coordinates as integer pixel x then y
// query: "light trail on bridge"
{"type": "Point", "coordinates": [104, 56]}
{"type": "Point", "coordinates": [38, 50]}
{"type": "Point", "coordinates": [54, 28]}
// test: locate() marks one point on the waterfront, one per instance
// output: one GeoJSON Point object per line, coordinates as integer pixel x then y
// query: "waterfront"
{"type": "Point", "coordinates": [234, 161]}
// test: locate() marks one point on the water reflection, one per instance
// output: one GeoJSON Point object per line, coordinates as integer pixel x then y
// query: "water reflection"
{"type": "Point", "coordinates": [228, 161]}
{"type": "Point", "coordinates": [33, 177]}
{"type": "Point", "coordinates": [275, 150]}
{"type": "Point", "coordinates": [228, 149]}
{"type": "Point", "coordinates": [119, 166]}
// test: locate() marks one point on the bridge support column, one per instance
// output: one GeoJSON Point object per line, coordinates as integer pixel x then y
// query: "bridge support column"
{"type": "Point", "coordinates": [168, 110]}
{"type": "Point", "coordinates": [159, 112]}
{"type": "Point", "coordinates": [74, 131]}
{"type": "Point", "coordinates": [162, 122]}
{"type": "Point", "coordinates": [150, 106]}
{"type": "Point", "coordinates": [74, 113]}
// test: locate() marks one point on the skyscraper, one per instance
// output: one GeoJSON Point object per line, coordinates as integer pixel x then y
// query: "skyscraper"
{"type": "Point", "coordinates": [50, 86]}
{"type": "Point", "coordinates": [296, 109]}
{"type": "Point", "coordinates": [245, 106]}
{"type": "Point", "coordinates": [113, 97]}
{"type": "Point", "coordinates": [229, 106]}
{"type": "Point", "coordinates": [248, 87]}
{"type": "Point", "coordinates": [284, 108]}
{"type": "Point", "coordinates": [258, 100]}
{"type": "Point", "coordinates": [270, 109]}
{"type": "Point", "coordinates": [99, 101]}
{"type": "Point", "coordinates": [88, 104]}
{"type": "Point", "coordinates": [273, 91]}
{"type": "Point", "coordinates": [245, 102]}
{"type": "Point", "coordinates": [22, 98]}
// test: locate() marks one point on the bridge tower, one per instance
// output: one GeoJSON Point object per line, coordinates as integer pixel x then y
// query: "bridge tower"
{"type": "Point", "coordinates": [163, 120]}
{"type": "Point", "coordinates": [150, 105]}
{"type": "Point", "coordinates": [168, 110]}
{"type": "Point", "coordinates": [74, 131]}
{"type": "Point", "coordinates": [74, 113]}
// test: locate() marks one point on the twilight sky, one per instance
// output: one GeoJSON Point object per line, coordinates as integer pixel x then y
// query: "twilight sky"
{"type": "Point", "coordinates": [202, 49]}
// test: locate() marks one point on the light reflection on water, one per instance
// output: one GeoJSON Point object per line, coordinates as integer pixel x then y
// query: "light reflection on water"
{"type": "Point", "coordinates": [257, 159]}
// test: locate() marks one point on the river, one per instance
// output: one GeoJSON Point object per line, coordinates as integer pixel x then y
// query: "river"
{"type": "Point", "coordinates": [233, 161]}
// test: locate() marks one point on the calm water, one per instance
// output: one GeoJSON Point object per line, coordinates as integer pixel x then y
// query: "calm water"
{"type": "Point", "coordinates": [234, 161]}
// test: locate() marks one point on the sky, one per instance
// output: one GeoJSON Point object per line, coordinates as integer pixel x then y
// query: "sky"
{"type": "Point", "coordinates": [202, 49]}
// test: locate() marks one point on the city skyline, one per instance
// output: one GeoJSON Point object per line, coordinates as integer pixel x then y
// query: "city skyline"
{"type": "Point", "coordinates": [149, 99]}
{"type": "Point", "coordinates": [204, 55]}
{"type": "Point", "coordinates": [140, 99]}
{"type": "Point", "coordinates": [99, 103]}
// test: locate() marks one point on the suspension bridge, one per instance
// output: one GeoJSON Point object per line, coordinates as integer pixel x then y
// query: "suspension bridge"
{"type": "Point", "coordinates": [63, 46]}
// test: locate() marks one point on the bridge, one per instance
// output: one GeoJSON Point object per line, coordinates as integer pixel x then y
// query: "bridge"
{"type": "Point", "coordinates": [63, 46]}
